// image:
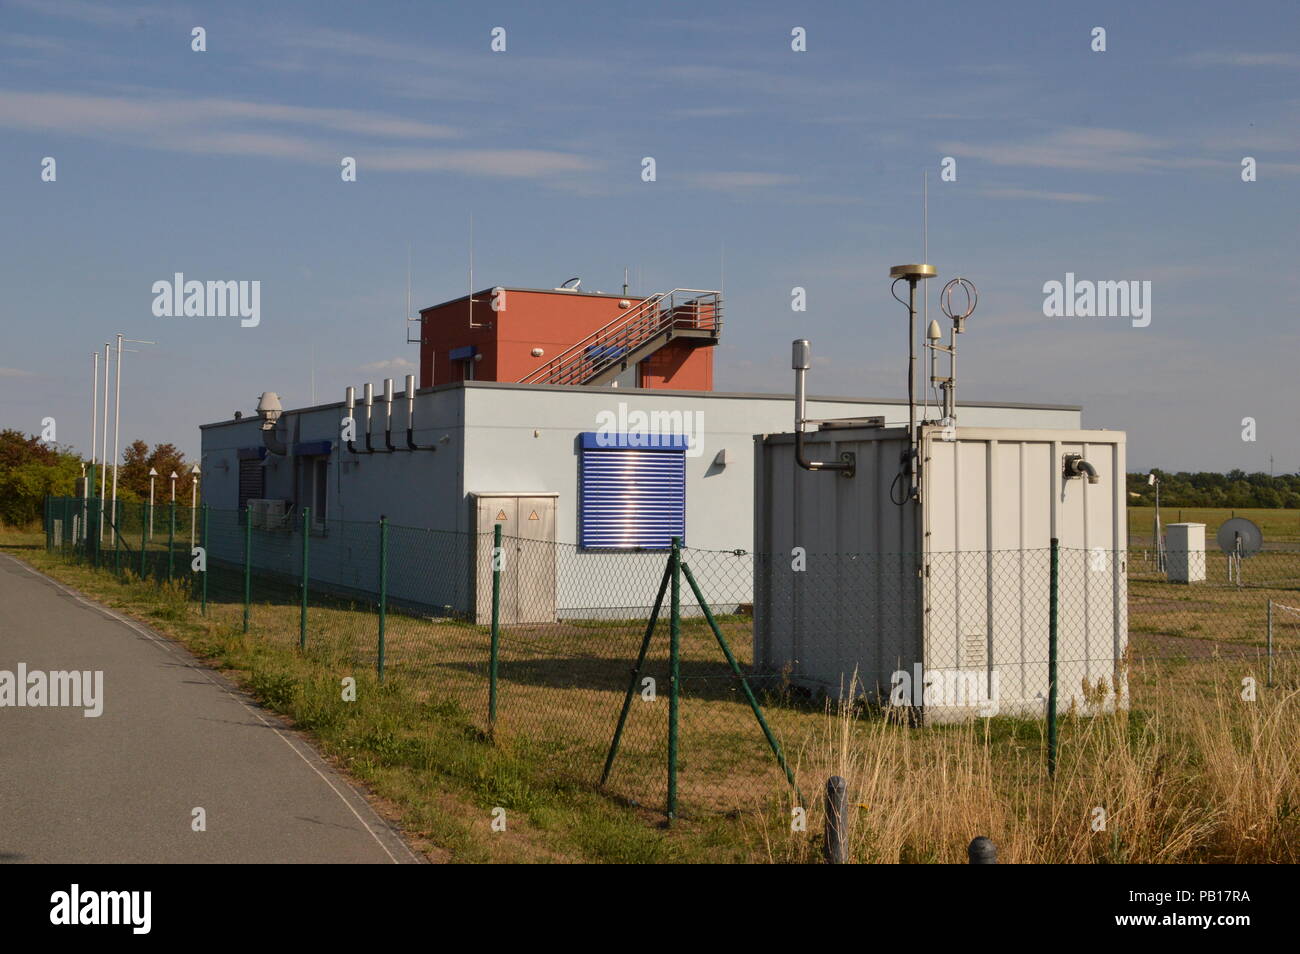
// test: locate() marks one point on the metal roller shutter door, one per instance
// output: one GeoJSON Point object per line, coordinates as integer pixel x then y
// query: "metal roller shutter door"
{"type": "Point", "coordinates": [632, 497]}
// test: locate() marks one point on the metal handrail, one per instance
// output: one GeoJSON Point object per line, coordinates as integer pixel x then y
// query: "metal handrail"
{"type": "Point", "coordinates": [640, 308]}
{"type": "Point", "coordinates": [701, 311]}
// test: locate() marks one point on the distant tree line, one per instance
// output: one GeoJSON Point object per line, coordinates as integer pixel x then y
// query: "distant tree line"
{"type": "Point", "coordinates": [31, 470]}
{"type": "Point", "coordinates": [1233, 489]}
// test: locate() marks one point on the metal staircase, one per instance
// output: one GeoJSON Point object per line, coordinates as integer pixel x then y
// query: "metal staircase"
{"type": "Point", "coordinates": [691, 314]}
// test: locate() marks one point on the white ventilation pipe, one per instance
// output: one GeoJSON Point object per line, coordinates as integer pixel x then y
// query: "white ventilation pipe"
{"type": "Point", "coordinates": [388, 415]}
{"type": "Point", "coordinates": [350, 402]}
{"type": "Point", "coordinates": [368, 397]}
{"type": "Point", "coordinates": [800, 362]}
{"type": "Point", "coordinates": [410, 412]}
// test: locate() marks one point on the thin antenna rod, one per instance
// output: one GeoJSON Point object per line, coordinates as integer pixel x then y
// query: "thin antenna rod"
{"type": "Point", "coordinates": [471, 269]}
{"type": "Point", "coordinates": [925, 255]}
{"type": "Point", "coordinates": [925, 218]}
{"type": "Point", "coordinates": [407, 316]}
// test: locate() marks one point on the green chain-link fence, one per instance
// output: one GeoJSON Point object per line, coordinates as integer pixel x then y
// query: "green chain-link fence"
{"type": "Point", "coordinates": [577, 661]}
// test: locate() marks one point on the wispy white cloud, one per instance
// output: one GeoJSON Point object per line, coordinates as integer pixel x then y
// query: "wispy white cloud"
{"type": "Point", "coordinates": [210, 126]}
{"type": "Point", "coordinates": [516, 163]}
{"type": "Point", "coordinates": [72, 112]}
{"type": "Point", "coordinates": [391, 364]}
{"type": "Point", "coordinates": [1042, 195]}
{"type": "Point", "coordinates": [16, 373]}
{"type": "Point", "coordinates": [25, 41]}
{"type": "Point", "coordinates": [1087, 149]}
{"type": "Point", "coordinates": [105, 14]}
{"type": "Point", "coordinates": [739, 180]}
{"type": "Point", "coordinates": [1288, 61]}
{"type": "Point", "coordinates": [707, 112]}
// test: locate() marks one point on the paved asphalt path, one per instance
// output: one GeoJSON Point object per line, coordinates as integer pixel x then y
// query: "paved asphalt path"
{"type": "Point", "coordinates": [173, 736]}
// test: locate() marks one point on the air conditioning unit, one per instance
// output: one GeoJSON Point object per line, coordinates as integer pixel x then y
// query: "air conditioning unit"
{"type": "Point", "coordinates": [266, 514]}
{"type": "Point", "coordinates": [274, 513]}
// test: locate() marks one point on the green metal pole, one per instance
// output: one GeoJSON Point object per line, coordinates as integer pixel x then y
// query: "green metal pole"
{"type": "Point", "coordinates": [302, 616]}
{"type": "Point", "coordinates": [49, 525]}
{"type": "Point", "coordinates": [117, 537]}
{"type": "Point", "coordinates": [171, 540]}
{"type": "Point", "coordinates": [1052, 609]}
{"type": "Point", "coordinates": [248, 562]}
{"type": "Point", "coordinates": [744, 683]}
{"type": "Point", "coordinates": [144, 529]}
{"type": "Point", "coordinates": [498, 557]}
{"type": "Point", "coordinates": [89, 492]}
{"type": "Point", "coordinates": [636, 672]}
{"type": "Point", "coordinates": [674, 672]}
{"type": "Point", "coordinates": [205, 561]}
{"type": "Point", "coordinates": [383, 591]}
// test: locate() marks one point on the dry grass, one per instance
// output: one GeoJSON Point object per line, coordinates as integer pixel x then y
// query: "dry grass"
{"type": "Point", "coordinates": [1190, 773]}
{"type": "Point", "coordinates": [1195, 775]}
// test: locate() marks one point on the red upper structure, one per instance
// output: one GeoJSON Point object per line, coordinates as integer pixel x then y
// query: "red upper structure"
{"type": "Point", "coordinates": [567, 337]}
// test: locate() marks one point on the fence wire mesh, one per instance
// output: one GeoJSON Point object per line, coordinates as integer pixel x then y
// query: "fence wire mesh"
{"type": "Point", "coordinates": [941, 636]}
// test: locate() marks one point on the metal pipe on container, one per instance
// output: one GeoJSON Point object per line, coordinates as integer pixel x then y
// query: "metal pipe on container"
{"type": "Point", "coordinates": [368, 397]}
{"type": "Point", "coordinates": [388, 415]}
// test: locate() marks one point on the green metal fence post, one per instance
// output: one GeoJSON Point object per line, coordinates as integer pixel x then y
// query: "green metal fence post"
{"type": "Point", "coordinates": [302, 616]}
{"type": "Point", "coordinates": [171, 540]}
{"type": "Point", "coordinates": [498, 557]}
{"type": "Point", "coordinates": [383, 590]}
{"type": "Point", "coordinates": [205, 561]}
{"type": "Point", "coordinates": [144, 529]}
{"type": "Point", "coordinates": [1052, 609]}
{"type": "Point", "coordinates": [89, 491]}
{"type": "Point", "coordinates": [248, 561]}
{"type": "Point", "coordinates": [674, 672]}
{"type": "Point", "coordinates": [49, 524]}
{"type": "Point", "coordinates": [117, 537]}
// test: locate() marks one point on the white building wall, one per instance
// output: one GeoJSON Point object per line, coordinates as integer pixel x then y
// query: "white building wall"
{"type": "Point", "coordinates": [516, 438]}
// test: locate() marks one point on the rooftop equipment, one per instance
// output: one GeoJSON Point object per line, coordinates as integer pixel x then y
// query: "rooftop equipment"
{"type": "Point", "coordinates": [951, 582]}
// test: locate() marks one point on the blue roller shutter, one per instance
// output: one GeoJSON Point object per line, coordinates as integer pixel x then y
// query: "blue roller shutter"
{"type": "Point", "coordinates": [633, 491]}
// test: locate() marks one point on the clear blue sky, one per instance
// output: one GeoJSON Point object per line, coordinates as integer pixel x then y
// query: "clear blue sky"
{"type": "Point", "coordinates": [805, 167]}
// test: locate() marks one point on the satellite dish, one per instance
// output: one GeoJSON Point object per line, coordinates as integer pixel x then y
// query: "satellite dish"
{"type": "Point", "coordinates": [1240, 531]}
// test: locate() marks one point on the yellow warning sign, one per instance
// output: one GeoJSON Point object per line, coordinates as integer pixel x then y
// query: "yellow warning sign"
{"type": "Point", "coordinates": [533, 515]}
{"type": "Point", "coordinates": [501, 515]}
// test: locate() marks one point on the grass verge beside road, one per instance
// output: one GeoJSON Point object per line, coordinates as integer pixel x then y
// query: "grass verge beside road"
{"type": "Point", "coordinates": [1192, 773]}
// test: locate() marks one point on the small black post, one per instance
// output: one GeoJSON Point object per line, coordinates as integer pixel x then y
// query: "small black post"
{"type": "Point", "coordinates": [982, 851]}
{"type": "Point", "coordinates": [835, 845]}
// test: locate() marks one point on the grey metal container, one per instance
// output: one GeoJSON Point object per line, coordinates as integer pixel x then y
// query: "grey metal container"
{"type": "Point", "coordinates": [952, 588]}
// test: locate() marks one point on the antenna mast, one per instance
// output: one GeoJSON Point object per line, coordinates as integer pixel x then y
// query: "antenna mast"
{"type": "Point", "coordinates": [420, 338]}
